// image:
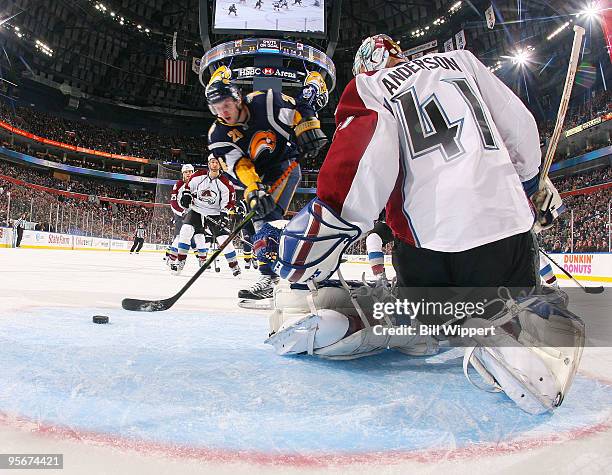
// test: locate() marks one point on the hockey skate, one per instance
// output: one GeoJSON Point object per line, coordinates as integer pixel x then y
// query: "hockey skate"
{"type": "Point", "coordinates": [176, 267]}
{"type": "Point", "coordinates": [259, 296]}
{"type": "Point", "coordinates": [236, 271]}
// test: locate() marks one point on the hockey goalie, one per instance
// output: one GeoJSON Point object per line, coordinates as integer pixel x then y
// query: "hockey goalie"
{"type": "Point", "coordinates": [457, 194]}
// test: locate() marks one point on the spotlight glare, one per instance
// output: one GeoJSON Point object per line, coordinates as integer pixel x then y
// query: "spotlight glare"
{"type": "Point", "coordinates": [521, 57]}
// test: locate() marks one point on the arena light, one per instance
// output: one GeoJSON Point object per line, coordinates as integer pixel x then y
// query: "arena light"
{"type": "Point", "coordinates": [558, 30]}
{"type": "Point", "coordinates": [521, 57]}
{"type": "Point", "coordinates": [456, 6]}
{"type": "Point", "coordinates": [591, 11]}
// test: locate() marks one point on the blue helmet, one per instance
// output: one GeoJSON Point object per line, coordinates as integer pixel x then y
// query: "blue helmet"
{"type": "Point", "coordinates": [221, 89]}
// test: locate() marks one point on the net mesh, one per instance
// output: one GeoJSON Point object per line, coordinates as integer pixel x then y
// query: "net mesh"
{"type": "Point", "coordinates": [162, 220]}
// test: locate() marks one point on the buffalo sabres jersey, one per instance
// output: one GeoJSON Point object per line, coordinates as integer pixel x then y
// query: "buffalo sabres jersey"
{"type": "Point", "coordinates": [443, 143]}
{"type": "Point", "coordinates": [266, 137]}
{"type": "Point", "coordinates": [210, 195]}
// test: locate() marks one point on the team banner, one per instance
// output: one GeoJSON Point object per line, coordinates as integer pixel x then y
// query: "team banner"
{"type": "Point", "coordinates": [448, 45]}
{"type": "Point", "coordinates": [490, 16]}
{"type": "Point", "coordinates": [460, 39]}
{"type": "Point", "coordinates": [606, 23]}
{"type": "Point", "coordinates": [195, 65]}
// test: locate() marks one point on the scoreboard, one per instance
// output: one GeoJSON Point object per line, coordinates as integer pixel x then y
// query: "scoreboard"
{"type": "Point", "coordinates": [270, 46]}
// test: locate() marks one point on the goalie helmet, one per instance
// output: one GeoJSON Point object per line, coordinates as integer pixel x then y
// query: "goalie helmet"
{"type": "Point", "coordinates": [374, 54]}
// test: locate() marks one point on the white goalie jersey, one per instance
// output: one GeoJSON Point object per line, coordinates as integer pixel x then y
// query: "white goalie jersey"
{"type": "Point", "coordinates": [440, 141]}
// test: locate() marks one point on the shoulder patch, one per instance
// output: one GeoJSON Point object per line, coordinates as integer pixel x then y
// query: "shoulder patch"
{"type": "Point", "coordinates": [287, 98]}
{"type": "Point", "coordinates": [249, 97]}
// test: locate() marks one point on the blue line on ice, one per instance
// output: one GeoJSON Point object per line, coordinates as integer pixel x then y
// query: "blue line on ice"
{"type": "Point", "coordinates": [209, 381]}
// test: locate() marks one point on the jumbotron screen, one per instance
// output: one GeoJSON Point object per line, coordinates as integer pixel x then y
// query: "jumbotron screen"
{"type": "Point", "coordinates": [305, 17]}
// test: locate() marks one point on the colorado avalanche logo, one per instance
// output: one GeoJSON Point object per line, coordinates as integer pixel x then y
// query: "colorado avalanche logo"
{"type": "Point", "coordinates": [207, 196]}
{"type": "Point", "coordinates": [263, 140]}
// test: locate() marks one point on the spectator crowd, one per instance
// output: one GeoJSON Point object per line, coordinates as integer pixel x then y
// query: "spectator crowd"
{"type": "Point", "coordinates": [138, 143]}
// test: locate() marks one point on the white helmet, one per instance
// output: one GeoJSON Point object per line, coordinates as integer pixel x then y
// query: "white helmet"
{"type": "Point", "coordinates": [374, 53]}
{"type": "Point", "coordinates": [188, 167]}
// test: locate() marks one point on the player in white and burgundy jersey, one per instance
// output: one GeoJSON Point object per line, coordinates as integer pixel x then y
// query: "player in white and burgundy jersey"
{"type": "Point", "coordinates": [177, 210]}
{"type": "Point", "coordinates": [208, 196]}
{"type": "Point", "coordinates": [450, 152]}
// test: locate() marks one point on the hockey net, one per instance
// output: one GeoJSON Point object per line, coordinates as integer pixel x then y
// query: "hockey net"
{"type": "Point", "coordinates": [162, 220]}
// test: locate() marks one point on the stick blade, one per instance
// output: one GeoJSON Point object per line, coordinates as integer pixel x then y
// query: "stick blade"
{"type": "Point", "coordinates": [594, 290]}
{"type": "Point", "coordinates": [137, 305]}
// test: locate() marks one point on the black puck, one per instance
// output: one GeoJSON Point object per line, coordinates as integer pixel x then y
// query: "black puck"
{"type": "Point", "coordinates": [100, 319]}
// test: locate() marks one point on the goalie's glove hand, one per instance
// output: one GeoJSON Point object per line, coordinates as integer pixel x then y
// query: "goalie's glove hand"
{"type": "Point", "coordinates": [310, 139]}
{"type": "Point", "coordinates": [259, 200]}
{"type": "Point", "coordinates": [186, 199]}
{"type": "Point", "coordinates": [548, 205]}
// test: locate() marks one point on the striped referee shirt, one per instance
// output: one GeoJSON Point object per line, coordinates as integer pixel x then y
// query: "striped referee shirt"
{"type": "Point", "coordinates": [20, 223]}
{"type": "Point", "coordinates": [140, 233]}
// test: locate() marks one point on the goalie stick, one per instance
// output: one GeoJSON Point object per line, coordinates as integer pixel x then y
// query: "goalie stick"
{"type": "Point", "coordinates": [138, 305]}
{"type": "Point", "coordinates": [565, 97]}
{"type": "Point", "coordinates": [588, 290]}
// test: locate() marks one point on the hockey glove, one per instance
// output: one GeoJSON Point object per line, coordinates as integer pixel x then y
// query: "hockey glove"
{"type": "Point", "coordinates": [310, 139]}
{"type": "Point", "coordinates": [259, 200]}
{"type": "Point", "coordinates": [186, 199]}
{"type": "Point", "coordinates": [548, 205]}
{"type": "Point", "coordinates": [225, 220]}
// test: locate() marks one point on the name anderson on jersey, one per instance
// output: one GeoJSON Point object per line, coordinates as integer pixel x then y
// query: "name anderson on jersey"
{"type": "Point", "coordinates": [397, 75]}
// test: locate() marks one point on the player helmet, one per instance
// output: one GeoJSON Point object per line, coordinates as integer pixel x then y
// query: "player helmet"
{"type": "Point", "coordinates": [221, 89]}
{"type": "Point", "coordinates": [212, 157]}
{"type": "Point", "coordinates": [374, 54]}
{"type": "Point", "coordinates": [187, 168]}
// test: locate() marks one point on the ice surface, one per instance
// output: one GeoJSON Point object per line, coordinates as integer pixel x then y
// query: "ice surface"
{"type": "Point", "coordinates": [199, 375]}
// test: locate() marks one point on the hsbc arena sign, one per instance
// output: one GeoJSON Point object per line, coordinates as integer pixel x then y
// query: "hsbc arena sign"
{"type": "Point", "coordinates": [256, 71]}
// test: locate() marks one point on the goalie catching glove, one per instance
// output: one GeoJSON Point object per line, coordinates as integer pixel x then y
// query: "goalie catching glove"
{"type": "Point", "coordinates": [309, 137]}
{"type": "Point", "coordinates": [313, 242]}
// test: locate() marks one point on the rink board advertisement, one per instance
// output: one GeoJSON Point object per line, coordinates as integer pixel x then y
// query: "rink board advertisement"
{"type": "Point", "coordinates": [594, 266]}
{"type": "Point", "coordinates": [6, 237]}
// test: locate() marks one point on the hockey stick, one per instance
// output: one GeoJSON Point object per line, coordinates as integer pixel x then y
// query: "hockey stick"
{"type": "Point", "coordinates": [588, 290]}
{"type": "Point", "coordinates": [565, 97]}
{"type": "Point", "coordinates": [216, 223]}
{"type": "Point", "coordinates": [138, 305]}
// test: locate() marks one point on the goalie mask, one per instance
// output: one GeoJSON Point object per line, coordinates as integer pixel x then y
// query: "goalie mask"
{"type": "Point", "coordinates": [313, 242]}
{"type": "Point", "coordinates": [374, 54]}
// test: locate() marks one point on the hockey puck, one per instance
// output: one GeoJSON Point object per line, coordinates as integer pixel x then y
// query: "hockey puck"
{"type": "Point", "coordinates": [100, 319]}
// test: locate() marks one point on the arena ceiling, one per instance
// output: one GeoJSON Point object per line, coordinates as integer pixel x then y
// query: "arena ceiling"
{"type": "Point", "coordinates": [120, 57]}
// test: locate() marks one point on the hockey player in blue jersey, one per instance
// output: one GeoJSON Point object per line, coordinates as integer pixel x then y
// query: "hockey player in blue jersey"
{"type": "Point", "coordinates": [260, 137]}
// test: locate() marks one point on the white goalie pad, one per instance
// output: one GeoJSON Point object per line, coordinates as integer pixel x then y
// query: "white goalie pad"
{"type": "Point", "coordinates": [533, 355]}
{"type": "Point", "coordinates": [326, 323]}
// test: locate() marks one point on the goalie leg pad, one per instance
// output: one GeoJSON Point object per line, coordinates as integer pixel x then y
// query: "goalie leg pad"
{"type": "Point", "coordinates": [306, 334]}
{"type": "Point", "coordinates": [534, 364]}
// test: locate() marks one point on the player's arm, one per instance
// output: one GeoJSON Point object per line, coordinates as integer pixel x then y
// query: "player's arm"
{"type": "Point", "coordinates": [516, 125]}
{"type": "Point", "coordinates": [301, 117]}
{"type": "Point", "coordinates": [519, 132]}
{"type": "Point", "coordinates": [357, 177]}
{"type": "Point", "coordinates": [228, 194]}
{"type": "Point", "coordinates": [175, 204]}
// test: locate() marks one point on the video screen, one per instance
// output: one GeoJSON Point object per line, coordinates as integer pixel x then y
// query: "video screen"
{"type": "Point", "coordinates": [305, 17]}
